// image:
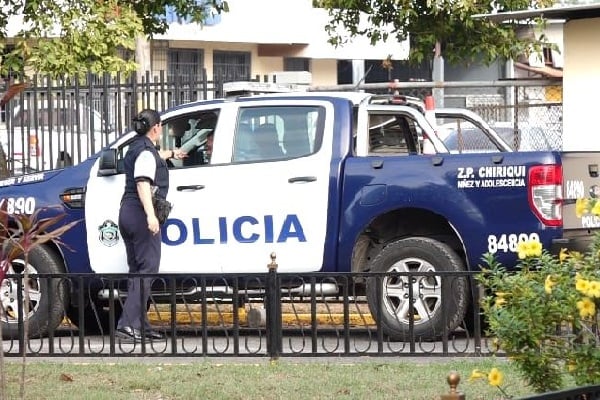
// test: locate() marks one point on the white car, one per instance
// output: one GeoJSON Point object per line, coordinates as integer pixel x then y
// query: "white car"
{"type": "Point", "coordinates": [466, 137]}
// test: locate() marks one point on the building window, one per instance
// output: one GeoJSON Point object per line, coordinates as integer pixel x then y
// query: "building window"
{"type": "Point", "coordinates": [402, 70]}
{"type": "Point", "coordinates": [184, 69]}
{"type": "Point", "coordinates": [185, 65]}
{"type": "Point", "coordinates": [296, 64]}
{"type": "Point", "coordinates": [230, 66]}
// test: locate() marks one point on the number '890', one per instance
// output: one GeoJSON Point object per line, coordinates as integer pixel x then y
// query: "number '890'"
{"type": "Point", "coordinates": [509, 242]}
{"type": "Point", "coordinates": [20, 205]}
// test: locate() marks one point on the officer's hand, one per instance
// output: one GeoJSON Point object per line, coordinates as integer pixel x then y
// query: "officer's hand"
{"type": "Point", "coordinates": [179, 154]}
{"type": "Point", "coordinates": [153, 225]}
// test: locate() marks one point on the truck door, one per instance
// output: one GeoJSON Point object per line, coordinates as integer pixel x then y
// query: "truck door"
{"type": "Point", "coordinates": [188, 179]}
{"type": "Point", "coordinates": [272, 189]}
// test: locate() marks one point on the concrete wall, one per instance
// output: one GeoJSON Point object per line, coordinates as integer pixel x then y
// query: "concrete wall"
{"type": "Point", "coordinates": [581, 85]}
{"type": "Point", "coordinates": [476, 71]}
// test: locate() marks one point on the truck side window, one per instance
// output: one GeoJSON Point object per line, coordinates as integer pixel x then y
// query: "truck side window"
{"type": "Point", "coordinates": [393, 134]}
{"type": "Point", "coordinates": [277, 133]}
{"type": "Point", "coordinates": [190, 133]}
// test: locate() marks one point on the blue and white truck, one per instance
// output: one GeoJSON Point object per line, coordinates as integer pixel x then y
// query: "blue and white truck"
{"type": "Point", "coordinates": [329, 182]}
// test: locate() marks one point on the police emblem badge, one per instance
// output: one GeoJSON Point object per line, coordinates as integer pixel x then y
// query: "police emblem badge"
{"type": "Point", "coordinates": [109, 233]}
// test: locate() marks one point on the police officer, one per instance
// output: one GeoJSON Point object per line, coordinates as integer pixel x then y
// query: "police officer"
{"type": "Point", "coordinates": [146, 174]}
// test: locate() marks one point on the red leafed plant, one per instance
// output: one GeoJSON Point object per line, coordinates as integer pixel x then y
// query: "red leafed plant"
{"type": "Point", "coordinates": [19, 235]}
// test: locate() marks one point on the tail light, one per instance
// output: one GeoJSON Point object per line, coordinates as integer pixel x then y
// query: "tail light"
{"type": "Point", "coordinates": [545, 193]}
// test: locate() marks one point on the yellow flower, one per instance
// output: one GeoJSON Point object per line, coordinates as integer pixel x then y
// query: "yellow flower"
{"type": "Point", "coordinates": [535, 248]}
{"type": "Point", "coordinates": [477, 374]}
{"type": "Point", "coordinates": [576, 255]}
{"type": "Point", "coordinates": [593, 289]}
{"type": "Point", "coordinates": [530, 248]}
{"type": "Point", "coordinates": [550, 282]}
{"type": "Point", "coordinates": [581, 207]}
{"type": "Point", "coordinates": [501, 298]}
{"type": "Point", "coordinates": [495, 377]}
{"type": "Point", "coordinates": [563, 255]}
{"type": "Point", "coordinates": [581, 285]}
{"type": "Point", "coordinates": [586, 308]}
{"type": "Point", "coordinates": [571, 366]}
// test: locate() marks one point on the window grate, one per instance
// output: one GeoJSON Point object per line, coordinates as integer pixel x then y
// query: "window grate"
{"type": "Point", "coordinates": [230, 66]}
{"type": "Point", "coordinates": [184, 65]}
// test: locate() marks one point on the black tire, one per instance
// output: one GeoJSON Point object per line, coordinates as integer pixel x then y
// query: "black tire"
{"type": "Point", "coordinates": [44, 313]}
{"type": "Point", "coordinates": [388, 295]}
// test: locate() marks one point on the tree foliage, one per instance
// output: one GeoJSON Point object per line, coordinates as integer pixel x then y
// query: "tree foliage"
{"type": "Point", "coordinates": [450, 23]}
{"type": "Point", "coordinates": [68, 37]}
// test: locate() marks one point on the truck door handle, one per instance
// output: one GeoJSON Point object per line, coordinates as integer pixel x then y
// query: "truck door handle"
{"type": "Point", "coordinates": [437, 161]}
{"type": "Point", "coordinates": [302, 179]}
{"type": "Point", "coordinates": [377, 164]}
{"type": "Point", "coordinates": [189, 188]}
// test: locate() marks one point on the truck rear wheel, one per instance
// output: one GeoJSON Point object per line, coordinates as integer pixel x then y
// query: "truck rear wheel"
{"type": "Point", "coordinates": [388, 296]}
{"type": "Point", "coordinates": [44, 313]}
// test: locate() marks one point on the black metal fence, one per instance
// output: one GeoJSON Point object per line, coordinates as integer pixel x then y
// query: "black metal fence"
{"type": "Point", "coordinates": [260, 315]}
{"type": "Point", "coordinates": [527, 114]}
{"type": "Point", "coordinates": [52, 123]}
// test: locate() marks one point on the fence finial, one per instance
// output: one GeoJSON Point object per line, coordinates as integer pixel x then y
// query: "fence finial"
{"type": "Point", "coordinates": [453, 380]}
{"type": "Point", "coordinates": [273, 264]}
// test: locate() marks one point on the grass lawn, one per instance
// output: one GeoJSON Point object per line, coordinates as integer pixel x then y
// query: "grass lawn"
{"type": "Point", "coordinates": [343, 378]}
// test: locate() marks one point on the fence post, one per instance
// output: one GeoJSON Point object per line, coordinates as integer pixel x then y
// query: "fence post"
{"type": "Point", "coordinates": [453, 380]}
{"type": "Point", "coordinates": [273, 308]}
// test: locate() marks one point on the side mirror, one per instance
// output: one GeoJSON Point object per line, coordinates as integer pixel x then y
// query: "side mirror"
{"type": "Point", "coordinates": [108, 163]}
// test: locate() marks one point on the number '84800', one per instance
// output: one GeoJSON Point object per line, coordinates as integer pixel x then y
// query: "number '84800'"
{"type": "Point", "coordinates": [509, 242]}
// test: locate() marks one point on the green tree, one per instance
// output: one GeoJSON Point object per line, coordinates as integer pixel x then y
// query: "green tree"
{"type": "Point", "coordinates": [443, 24]}
{"type": "Point", "coordinates": [75, 36]}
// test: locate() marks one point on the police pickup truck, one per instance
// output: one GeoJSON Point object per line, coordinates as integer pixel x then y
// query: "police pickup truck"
{"type": "Point", "coordinates": [329, 182]}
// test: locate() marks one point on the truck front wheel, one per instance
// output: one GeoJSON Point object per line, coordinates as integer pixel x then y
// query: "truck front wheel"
{"type": "Point", "coordinates": [390, 296]}
{"type": "Point", "coordinates": [43, 313]}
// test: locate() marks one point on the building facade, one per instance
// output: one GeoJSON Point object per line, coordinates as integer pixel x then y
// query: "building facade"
{"type": "Point", "coordinates": [261, 37]}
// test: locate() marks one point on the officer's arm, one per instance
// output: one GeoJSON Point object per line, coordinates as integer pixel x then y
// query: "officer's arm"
{"type": "Point", "coordinates": [145, 193]}
{"type": "Point", "coordinates": [144, 169]}
{"type": "Point", "coordinates": [177, 154]}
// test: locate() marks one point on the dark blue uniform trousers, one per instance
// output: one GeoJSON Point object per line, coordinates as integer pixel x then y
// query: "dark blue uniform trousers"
{"type": "Point", "coordinates": [143, 256]}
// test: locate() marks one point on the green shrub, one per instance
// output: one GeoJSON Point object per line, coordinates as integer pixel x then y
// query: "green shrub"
{"type": "Point", "coordinates": [544, 314]}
